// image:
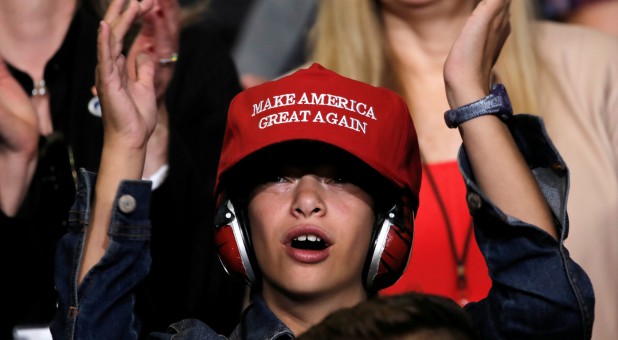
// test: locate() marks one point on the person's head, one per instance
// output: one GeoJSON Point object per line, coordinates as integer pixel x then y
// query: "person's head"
{"type": "Point", "coordinates": [406, 316]}
{"type": "Point", "coordinates": [317, 185]}
{"type": "Point", "coordinates": [349, 38]}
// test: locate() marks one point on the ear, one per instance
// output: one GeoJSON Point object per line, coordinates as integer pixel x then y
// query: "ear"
{"type": "Point", "coordinates": [390, 248]}
{"type": "Point", "coordinates": [232, 242]}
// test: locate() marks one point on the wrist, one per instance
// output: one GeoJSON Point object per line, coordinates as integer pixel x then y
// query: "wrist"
{"type": "Point", "coordinates": [157, 150]}
{"type": "Point", "coordinates": [459, 95]}
{"type": "Point", "coordinates": [132, 141]}
{"type": "Point", "coordinates": [497, 103]}
{"type": "Point", "coordinates": [121, 162]}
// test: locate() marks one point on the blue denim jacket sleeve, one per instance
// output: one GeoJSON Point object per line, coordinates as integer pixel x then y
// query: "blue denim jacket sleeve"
{"type": "Point", "coordinates": [538, 291]}
{"type": "Point", "coordinates": [102, 306]}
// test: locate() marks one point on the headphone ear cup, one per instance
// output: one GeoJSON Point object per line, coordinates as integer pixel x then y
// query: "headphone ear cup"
{"type": "Point", "coordinates": [232, 242]}
{"type": "Point", "coordinates": [391, 248]}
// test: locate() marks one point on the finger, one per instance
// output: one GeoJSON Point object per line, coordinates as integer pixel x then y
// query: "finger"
{"type": "Point", "coordinates": [4, 71]}
{"type": "Point", "coordinates": [148, 24]}
{"type": "Point", "coordinates": [168, 13]}
{"type": "Point", "coordinates": [142, 44]}
{"type": "Point", "coordinates": [5, 74]}
{"type": "Point", "coordinates": [113, 10]}
{"type": "Point", "coordinates": [164, 38]}
{"type": "Point", "coordinates": [122, 24]}
{"type": "Point", "coordinates": [120, 63]}
{"type": "Point", "coordinates": [144, 90]}
{"type": "Point", "coordinates": [155, 38]}
{"type": "Point", "coordinates": [5, 81]}
{"type": "Point", "coordinates": [16, 111]}
{"type": "Point", "coordinates": [105, 62]}
{"type": "Point", "coordinates": [163, 28]}
{"type": "Point", "coordinates": [490, 20]}
{"type": "Point", "coordinates": [467, 70]}
{"type": "Point", "coordinates": [171, 9]}
{"type": "Point", "coordinates": [490, 10]}
{"type": "Point", "coordinates": [501, 27]}
{"type": "Point", "coordinates": [145, 70]}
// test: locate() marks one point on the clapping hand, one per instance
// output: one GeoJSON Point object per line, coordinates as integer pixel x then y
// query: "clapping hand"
{"type": "Point", "coordinates": [19, 137]}
{"type": "Point", "coordinates": [19, 130]}
{"type": "Point", "coordinates": [468, 68]}
{"type": "Point", "coordinates": [498, 166]}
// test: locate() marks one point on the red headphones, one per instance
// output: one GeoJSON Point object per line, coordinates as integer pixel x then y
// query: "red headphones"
{"type": "Point", "coordinates": [390, 248]}
{"type": "Point", "coordinates": [387, 258]}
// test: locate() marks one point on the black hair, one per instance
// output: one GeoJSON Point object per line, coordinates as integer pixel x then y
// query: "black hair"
{"type": "Point", "coordinates": [413, 315]}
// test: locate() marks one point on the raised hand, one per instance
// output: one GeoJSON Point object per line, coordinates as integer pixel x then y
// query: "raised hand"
{"type": "Point", "coordinates": [19, 131]}
{"type": "Point", "coordinates": [498, 166]}
{"type": "Point", "coordinates": [129, 113]}
{"type": "Point", "coordinates": [159, 39]}
{"type": "Point", "coordinates": [126, 93]}
{"type": "Point", "coordinates": [467, 70]}
{"type": "Point", "coordinates": [19, 136]}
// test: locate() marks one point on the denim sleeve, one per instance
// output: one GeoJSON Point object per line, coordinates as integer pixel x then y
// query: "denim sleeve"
{"type": "Point", "coordinates": [101, 307]}
{"type": "Point", "coordinates": [538, 291]}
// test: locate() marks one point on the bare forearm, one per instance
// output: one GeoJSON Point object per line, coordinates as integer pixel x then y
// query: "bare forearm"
{"type": "Point", "coordinates": [498, 166]}
{"type": "Point", "coordinates": [157, 149]}
{"type": "Point", "coordinates": [502, 173]}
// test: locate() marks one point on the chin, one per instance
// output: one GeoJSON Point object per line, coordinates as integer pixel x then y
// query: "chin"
{"type": "Point", "coordinates": [305, 285]}
{"type": "Point", "coordinates": [302, 288]}
{"type": "Point", "coordinates": [408, 2]}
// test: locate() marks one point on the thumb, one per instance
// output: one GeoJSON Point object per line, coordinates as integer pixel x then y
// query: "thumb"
{"type": "Point", "coordinates": [4, 70]}
{"type": "Point", "coordinates": [145, 69]}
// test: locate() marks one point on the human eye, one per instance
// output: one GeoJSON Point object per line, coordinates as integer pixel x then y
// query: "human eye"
{"type": "Point", "coordinates": [337, 180]}
{"type": "Point", "coordinates": [277, 179]}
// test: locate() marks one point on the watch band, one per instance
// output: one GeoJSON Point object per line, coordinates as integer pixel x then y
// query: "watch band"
{"type": "Point", "coordinates": [497, 103]}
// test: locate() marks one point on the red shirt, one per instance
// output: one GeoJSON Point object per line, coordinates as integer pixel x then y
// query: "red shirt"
{"type": "Point", "coordinates": [432, 268]}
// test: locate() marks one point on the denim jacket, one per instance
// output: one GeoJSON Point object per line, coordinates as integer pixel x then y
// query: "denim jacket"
{"type": "Point", "coordinates": [537, 292]}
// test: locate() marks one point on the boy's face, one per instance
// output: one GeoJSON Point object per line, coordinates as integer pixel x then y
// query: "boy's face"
{"type": "Point", "coordinates": [311, 227]}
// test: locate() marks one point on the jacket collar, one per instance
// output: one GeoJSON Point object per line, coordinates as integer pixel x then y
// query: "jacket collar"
{"type": "Point", "coordinates": [259, 322]}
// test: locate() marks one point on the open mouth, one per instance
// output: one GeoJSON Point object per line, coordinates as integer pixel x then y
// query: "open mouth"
{"type": "Point", "coordinates": [308, 242]}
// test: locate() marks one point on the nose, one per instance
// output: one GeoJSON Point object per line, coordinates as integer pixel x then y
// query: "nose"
{"type": "Point", "coordinates": [308, 197]}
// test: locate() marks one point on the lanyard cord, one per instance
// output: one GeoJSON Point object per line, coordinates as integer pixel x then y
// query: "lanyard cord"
{"type": "Point", "coordinates": [460, 260]}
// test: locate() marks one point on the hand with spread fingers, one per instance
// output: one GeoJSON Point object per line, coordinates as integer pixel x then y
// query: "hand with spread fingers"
{"type": "Point", "coordinates": [129, 116]}
{"type": "Point", "coordinates": [19, 136]}
{"type": "Point", "coordinates": [126, 91]}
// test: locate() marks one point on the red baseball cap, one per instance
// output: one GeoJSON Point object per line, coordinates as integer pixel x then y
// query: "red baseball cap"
{"type": "Point", "coordinates": [316, 104]}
